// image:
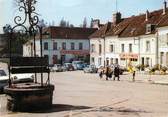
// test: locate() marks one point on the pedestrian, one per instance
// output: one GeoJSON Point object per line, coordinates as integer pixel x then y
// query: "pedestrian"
{"type": "Point", "coordinates": [133, 76]}
{"type": "Point", "coordinates": [110, 73]}
{"type": "Point", "coordinates": [117, 73]}
{"type": "Point", "coordinates": [107, 72]}
{"type": "Point", "coordinates": [101, 74]}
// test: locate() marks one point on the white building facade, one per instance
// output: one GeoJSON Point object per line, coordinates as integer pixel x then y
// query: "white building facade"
{"type": "Point", "coordinates": [62, 45]}
{"type": "Point", "coordinates": [163, 45]}
{"type": "Point", "coordinates": [137, 40]}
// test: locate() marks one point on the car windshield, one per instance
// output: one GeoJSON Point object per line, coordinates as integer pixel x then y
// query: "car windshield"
{"type": "Point", "coordinates": [2, 73]}
{"type": "Point", "coordinates": [58, 65]}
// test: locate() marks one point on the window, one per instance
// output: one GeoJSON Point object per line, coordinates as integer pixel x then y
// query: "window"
{"type": "Point", "coordinates": [122, 48]}
{"type": "Point", "coordinates": [100, 48]}
{"type": "Point", "coordinates": [150, 28]}
{"type": "Point", "coordinates": [116, 61]}
{"type": "Point", "coordinates": [147, 61]}
{"type": "Point", "coordinates": [45, 45]}
{"type": "Point", "coordinates": [142, 60]}
{"type": "Point", "coordinates": [147, 46]}
{"type": "Point", "coordinates": [161, 57]}
{"type": "Point", "coordinates": [72, 46]}
{"type": "Point", "coordinates": [111, 48]}
{"type": "Point", "coordinates": [63, 58]}
{"type": "Point", "coordinates": [100, 61]}
{"type": "Point", "coordinates": [55, 46]}
{"type": "Point", "coordinates": [92, 48]}
{"type": "Point", "coordinates": [92, 60]}
{"type": "Point", "coordinates": [130, 47]}
{"type": "Point", "coordinates": [80, 46]}
{"type": "Point", "coordinates": [122, 59]}
{"type": "Point", "coordinates": [64, 46]}
{"type": "Point", "coordinates": [111, 61]}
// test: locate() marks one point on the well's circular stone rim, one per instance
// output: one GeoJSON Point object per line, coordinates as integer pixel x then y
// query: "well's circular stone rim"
{"type": "Point", "coordinates": [29, 96]}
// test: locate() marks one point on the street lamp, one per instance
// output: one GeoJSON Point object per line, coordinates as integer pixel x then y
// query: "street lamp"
{"type": "Point", "coordinates": [104, 50]}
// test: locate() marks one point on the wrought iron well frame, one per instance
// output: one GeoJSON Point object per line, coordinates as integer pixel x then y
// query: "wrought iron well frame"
{"type": "Point", "coordinates": [31, 18]}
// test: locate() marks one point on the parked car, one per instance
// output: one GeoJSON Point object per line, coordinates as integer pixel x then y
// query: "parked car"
{"type": "Point", "coordinates": [50, 66]}
{"type": "Point", "coordinates": [69, 66]}
{"type": "Point", "coordinates": [57, 68]}
{"type": "Point", "coordinates": [90, 69]}
{"type": "Point", "coordinates": [63, 68]}
{"type": "Point", "coordinates": [22, 78]}
{"type": "Point", "coordinates": [3, 79]}
{"type": "Point", "coordinates": [85, 65]}
{"type": "Point", "coordinates": [78, 65]}
{"type": "Point", "coordinates": [15, 78]}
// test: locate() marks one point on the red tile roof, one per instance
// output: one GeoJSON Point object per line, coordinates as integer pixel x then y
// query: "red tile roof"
{"type": "Point", "coordinates": [134, 26]}
{"type": "Point", "coordinates": [70, 33]}
{"type": "Point", "coordinates": [102, 31]}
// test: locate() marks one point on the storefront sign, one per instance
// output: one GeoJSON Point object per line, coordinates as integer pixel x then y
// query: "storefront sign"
{"type": "Point", "coordinates": [75, 52]}
{"type": "Point", "coordinates": [129, 56]}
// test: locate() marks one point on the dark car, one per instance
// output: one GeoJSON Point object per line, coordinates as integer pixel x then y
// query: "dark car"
{"type": "Point", "coordinates": [69, 66]}
{"type": "Point", "coordinates": [3, 79]}
{"type": "Point", "coordinates": [80, 66]}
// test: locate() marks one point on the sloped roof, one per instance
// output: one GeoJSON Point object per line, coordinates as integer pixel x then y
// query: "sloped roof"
{"type": "Point", "coordinates": [102, 31]}
{"type": "Point", "coordinates": [70, 33]}
{"type": "Point", "coordinates": [135, 25]}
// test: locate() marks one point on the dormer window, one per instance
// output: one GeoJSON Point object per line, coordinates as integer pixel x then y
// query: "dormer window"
{"type": "Point", "coordinates": [150, 28]}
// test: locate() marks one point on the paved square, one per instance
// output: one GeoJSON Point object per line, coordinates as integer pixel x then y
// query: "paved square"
{"type": "Point", "coordinates": [85, 95]}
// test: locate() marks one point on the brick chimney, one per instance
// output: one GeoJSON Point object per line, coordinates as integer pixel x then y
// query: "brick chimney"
{"type": "Point", "coordinates": [147, 16]}
{"type": "Point", "coordinates": [95, 23]}
{"type": "Point", "coordinates": [116, 18]}
{"type": "Point", "coordinates": [164, 7]}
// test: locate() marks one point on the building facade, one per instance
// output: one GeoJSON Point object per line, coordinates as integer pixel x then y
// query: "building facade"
{"type": "Point", "coordinates": [136, 40]}
{"type": "Point", "coordinates": [62, 44]}
{"type": "Point", "coordinates": [163, 45]}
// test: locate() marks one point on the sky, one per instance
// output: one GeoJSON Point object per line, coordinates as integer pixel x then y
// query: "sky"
{"type": "Point", "coordinates": [74, 11]}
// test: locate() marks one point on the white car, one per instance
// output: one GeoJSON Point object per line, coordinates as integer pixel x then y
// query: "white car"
{"type": "Point", "coordinates": [22, 78]}
{"type": "Point", "coordinates": [90, 69]}
{"type": "Point", "coordinates": [15, 78]}
{"type": "Point", "coordinates": [56, 68]}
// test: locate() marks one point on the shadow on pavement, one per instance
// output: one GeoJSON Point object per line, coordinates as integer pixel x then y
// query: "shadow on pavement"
{"type": "Point", "coordinates": [61, 107]}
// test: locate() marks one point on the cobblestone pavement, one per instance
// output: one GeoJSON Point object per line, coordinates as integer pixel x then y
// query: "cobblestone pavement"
{"type": "Point", "coordinates": [85, 95]}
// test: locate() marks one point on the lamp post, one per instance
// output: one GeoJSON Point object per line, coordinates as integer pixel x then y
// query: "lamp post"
{"type": "Point", "coordinates": [103, 37]}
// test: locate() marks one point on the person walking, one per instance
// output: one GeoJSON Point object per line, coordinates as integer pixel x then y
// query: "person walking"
{"type": "Point", "coordinates": [107, 72]}
{"type": "Point", "coordinates": [101, 74]}
{"type": "Point", "coordinates": [133, 76]}
{"type": "Point", "coordinates": [117, 73]}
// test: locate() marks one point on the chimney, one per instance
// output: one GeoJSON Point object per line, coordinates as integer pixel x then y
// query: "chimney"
{"type": "Point", "coordinates": [164, 7]}
{"type": "Point", "coordinates": [95, 23]}
{"type": "Point", "coordinates": [116, 18]}
{"type": "Point", "coordinates": [147, 16]}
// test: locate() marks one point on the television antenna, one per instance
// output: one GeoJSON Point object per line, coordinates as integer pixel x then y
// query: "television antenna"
{"type": "Point", "coordinates": [116, 5]}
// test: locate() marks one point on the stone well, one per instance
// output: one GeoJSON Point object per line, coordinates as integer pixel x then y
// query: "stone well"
{"type": "Point", "coordinates": [29, 97]}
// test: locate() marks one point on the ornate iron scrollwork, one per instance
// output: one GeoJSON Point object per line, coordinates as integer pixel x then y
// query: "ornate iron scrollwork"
{"type": "Point", "coordinates": [26, 25]}
{"type": "Point", "coordinates": [30, 16]}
